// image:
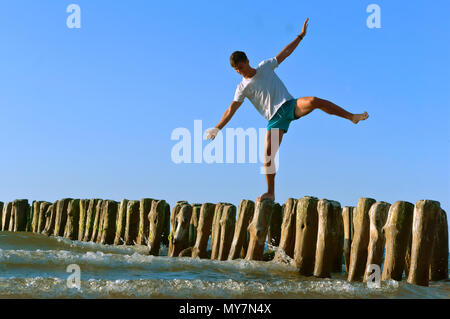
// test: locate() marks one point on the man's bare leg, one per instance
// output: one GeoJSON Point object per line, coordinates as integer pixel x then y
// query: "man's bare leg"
{"type": "Point", "coordinates": [271, 151]}
{"type": "Point", "coordinates": [306, 105]}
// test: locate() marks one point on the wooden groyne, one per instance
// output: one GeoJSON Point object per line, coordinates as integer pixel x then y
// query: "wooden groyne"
{"type": "Point", "coordinates": [409, 242]}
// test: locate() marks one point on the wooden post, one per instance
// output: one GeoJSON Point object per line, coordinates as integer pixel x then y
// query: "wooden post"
{"type": "Point", "coordinates": [84, 205]}
{"type": "Point", "coordinates": [50, 216]}
{"type": "Point", "coordinates": [90, 217]}
{"type": "Point", "coordinates": [35, 219]}
{"type": "Point", "coordinates": [20, 211]}
{"type": "Point", "coordinates": [101, 213]}
{"type": "Point", "coordinates": [156, 225]}
{"type": "Point", "coordinates": [338, 232]}
{"type": "Point", "coordinates": [108, 231]}
{"type": "Point", "coordinates": [173, 223]}
{"type": "Point", "coordinates": [144, 210]}
{"type": "Point", "coordinates": [61, 216]}
{"type": "Point", "coordinates": [287, 239]}
{"type": "Point", "coordinates": [246, 210]}
{"type": "Point", "coordinates": [329, 212]}
{"type": "Point", "coordinates": [377, 215]}
{"type": "Point", "coordinates": [360, 242]}
{"type": "Point", "coordinates": [347, 218]}
{"type": "Point", "coordinates": [439, 259]}
{"type": "Point", "coordinates": [306, 235]}
{"type": "Point", "coordinates": [258, 229]}
{"type": "Point", "coordinates": [120, 222]}
{"type": "Point", "coordinates": [227, 224]}
{"type": "Point", "coordinates": [274, 233]}
{"type": "Point", "coordinates": [181, 236]}
{"type": "Point", "coordinates": [397, 232]}
{"type": "Point", "coordinates": [425, 219]}
{"type": "Point", "coordinates": [166, 230]}
{"type": "Point", "coordinates": [97, 219]}
{"type": "Point", "coordinates": [194, 224]}
{"type": "Point", "coordinates": [43, 208]}
{"type": "Point", "coordinates": [73, 215]}
{"type": "Point", "coordinates": [6, 218]}
{"type": "Point", "coordinates": [203, 230]}
{"type": "Point", "coordinates": [132, 222]}
{"type": "Point", "coordinates": [215, 232]}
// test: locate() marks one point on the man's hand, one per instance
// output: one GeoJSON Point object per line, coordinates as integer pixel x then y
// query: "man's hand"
{"type": "Point", "coordinates": [212, 133]}
{"type": "Point", "coordinates": [291, 46]}
{"type": "Point", "coordinates": [305, 27]}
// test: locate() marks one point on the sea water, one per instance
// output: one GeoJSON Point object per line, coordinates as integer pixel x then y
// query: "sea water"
{"type": "Point", "coordinates": [36, 266]}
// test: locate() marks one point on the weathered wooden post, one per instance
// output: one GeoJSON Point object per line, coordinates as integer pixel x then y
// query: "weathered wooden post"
{"type": "Point", "coordinates": [90, 218]}
{"type": "Point", "coordinates": [120, 222]}
{"type": "Point", "coordinates": [203, 230]}
{"type": "Point", "coordinates": [6, 218]}
{"type": "Point", "coordinates": [156, 225]}
{"type": "Point", "coordinates": [274, 233]}
{"type": "Point", "coordinates": [173, 223]}
{"type": "Point", "coordinates": [245, 215]}
{"type": "Point", "coordinates": [227, 225]}
{"type": "Point", "coordinates": [61, 216]}
{"type": "Point", "coordinates": [166, 230]}
{"type": "Point", "coordinates": [347, 218]}
{"type": "Point", "coordinates": [439, 258]}
{"type": "Point", "coordinates": [73, 215]}
{"type": "Point", "coordinates": [29, 217]}
{"type": "Point", "coordinates": [377, 215]}
{"type": "Point", "coordinates": [258, 229]}
{"type": "Point", "coordinates": [329, 212]}
{"type": "Point", "coordinates": [338, 231]}
{"type": "Point", "coordinates": [287, 239]}
{"type": "Point", "coordinates": [11, 219]}
{"type": "Point", "coordinates": [425, 219]}
{"type": "Point", "coordinates": [35, 206]}
{"type": "Point", "coordinates": [306, 235]}
{"type": "Point", "coordinates": [397, 232]}
{"type": "Point", "coordinates": [84, 205]}
{"type": "Point", "coordinates": [50, 215]}
{"type": "Point", "coordinates": [215, 232]}
{"type": "Point", "coordinates": [20, 211]}
{"type": "Point", "coordinates": [42, 214]}
{"type": "Point", "coordinates": [194, 224]}
{"type": "Point", "coordinates": [181, 236]}
{"type": "Point", "coordinates": [360, 242]}
{"type": "Point", "coordinates": [101, 222]}
{"type": "Point", "coordinates": [97, 220]}
{"type": "Point", "coordinates": [132, 222]}
{"type": "Point", "coordinates": [108, 230]}
{"type": "Point", "coordinates": [144, 210]}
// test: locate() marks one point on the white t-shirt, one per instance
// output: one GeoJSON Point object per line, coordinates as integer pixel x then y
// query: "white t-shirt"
{"type": "Point", "coordinates": [265, 89]}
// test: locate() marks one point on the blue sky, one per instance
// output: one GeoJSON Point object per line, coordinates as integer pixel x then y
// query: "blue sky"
{"type": "Point", "coordinates": [89, 112]}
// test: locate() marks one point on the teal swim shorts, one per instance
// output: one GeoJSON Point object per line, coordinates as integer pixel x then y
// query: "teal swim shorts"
{"type": "Point", "coordinates": [283, 116]}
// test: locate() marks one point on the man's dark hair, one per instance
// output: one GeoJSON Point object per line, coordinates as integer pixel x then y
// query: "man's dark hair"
{"type": "Point", "coordinates": [236, 57]}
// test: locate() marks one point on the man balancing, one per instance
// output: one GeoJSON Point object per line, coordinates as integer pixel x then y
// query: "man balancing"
{"type": "Point", "coordinates": [271, 98]}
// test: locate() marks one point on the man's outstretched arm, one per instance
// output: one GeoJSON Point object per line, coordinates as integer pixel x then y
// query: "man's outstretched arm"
{"type": "Point", "coordinates": [225, 119]}
{"type": "Point", "coordinates": [291, 46]}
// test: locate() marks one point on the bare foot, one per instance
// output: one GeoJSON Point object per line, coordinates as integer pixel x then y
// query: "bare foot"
{"type": "Point", "coordinates": [359, 117]}
{"type": "Point", "coordinates": [266, 196]}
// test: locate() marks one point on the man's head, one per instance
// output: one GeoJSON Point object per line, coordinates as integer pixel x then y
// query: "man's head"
{"type": "Point", "coordinates": [240, 63]}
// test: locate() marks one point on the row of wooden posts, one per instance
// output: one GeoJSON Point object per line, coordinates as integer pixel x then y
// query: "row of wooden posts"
{"type": "Point", "coordinates": [319, 235]}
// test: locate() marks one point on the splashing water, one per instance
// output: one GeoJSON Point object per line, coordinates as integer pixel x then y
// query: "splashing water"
{"type": "Point", "coordinates": [34, 266]}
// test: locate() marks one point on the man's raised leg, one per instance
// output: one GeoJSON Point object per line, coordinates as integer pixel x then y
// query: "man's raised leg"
{"type": "Point", "coordinates": [306, 105]}
{"type": "Point", "coordinates": [272, 146]}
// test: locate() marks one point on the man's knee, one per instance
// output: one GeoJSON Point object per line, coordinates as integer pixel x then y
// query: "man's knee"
{"type": "Point", "coordinates": [312, 100]}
